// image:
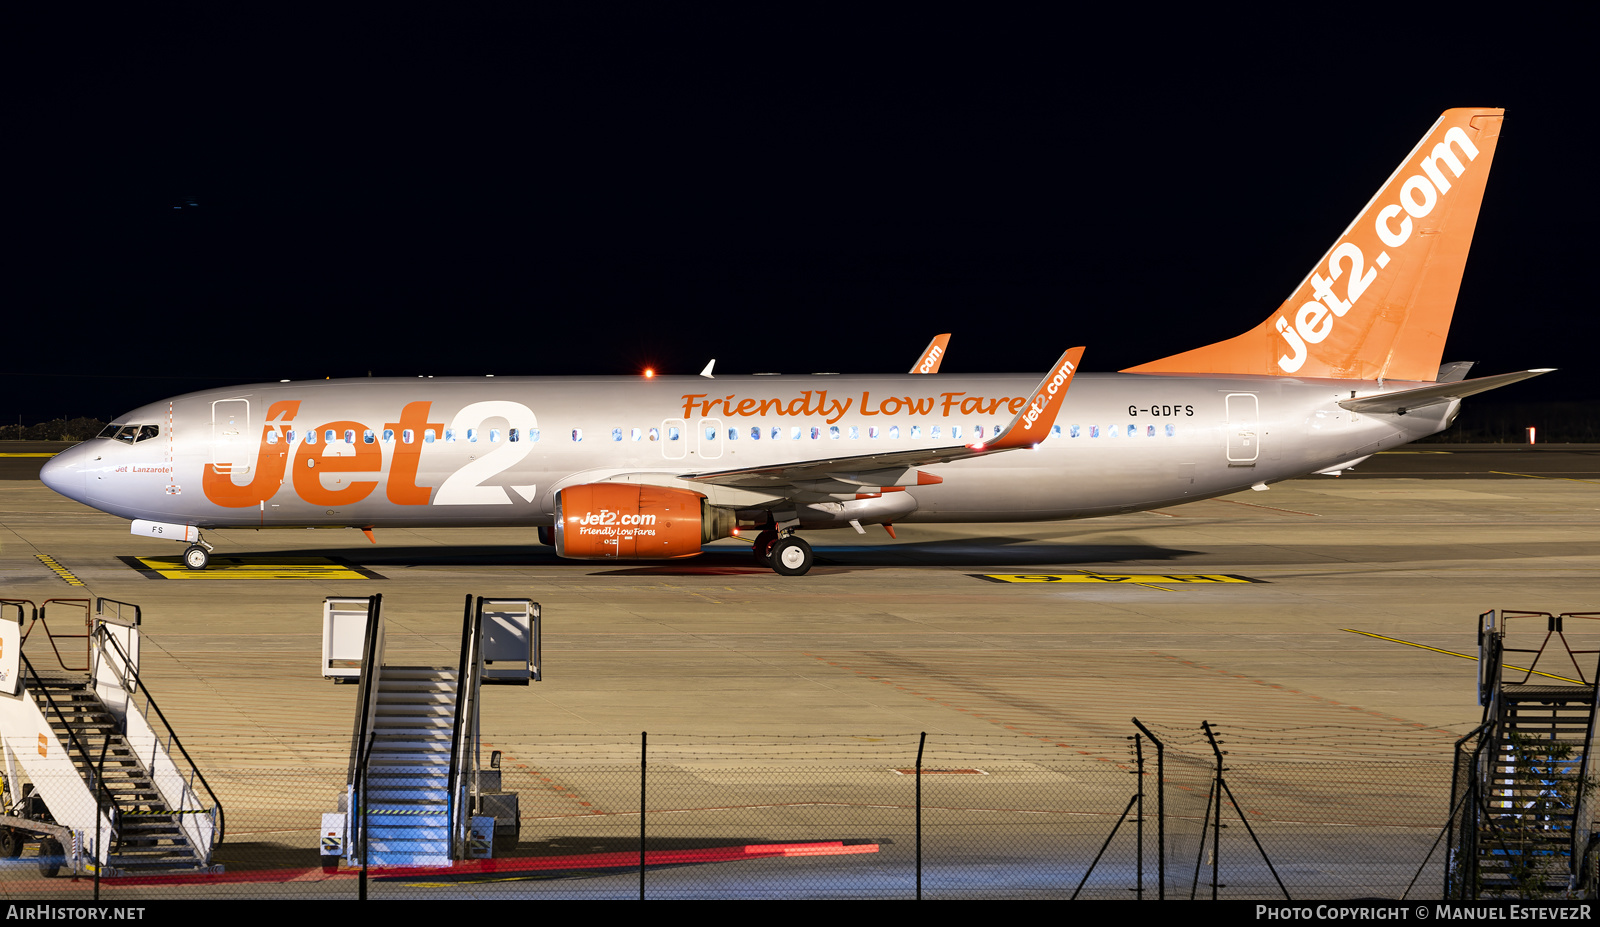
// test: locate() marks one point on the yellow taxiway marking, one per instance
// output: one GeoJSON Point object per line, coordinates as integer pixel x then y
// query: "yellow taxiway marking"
{"type": "Point", "coordinates": [1131, 579]}
{"type": "Point", "coordinates": [251, 568]}
{"type": "Point", "coordinates": [1535, 476]}
{"type": "Point", "coordinates": [59, 570]}
{"type": "Point", "coordinates": [1464, 656]}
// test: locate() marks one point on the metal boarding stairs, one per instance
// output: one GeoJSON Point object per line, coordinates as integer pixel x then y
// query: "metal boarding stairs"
{"type": "Point", "coordinates": [415, 794]}
{"type": "Point", "coordinates": [1526, 823]}
{"type": "Point", "coordinates": [109, 787]}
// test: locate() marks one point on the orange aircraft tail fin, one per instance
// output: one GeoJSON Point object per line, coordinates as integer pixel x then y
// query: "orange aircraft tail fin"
{"type": "Point", "coordinates": [1379, 302]}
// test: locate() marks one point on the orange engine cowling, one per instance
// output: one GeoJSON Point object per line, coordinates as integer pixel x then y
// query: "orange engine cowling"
{"type": "Point", "coordinates": [633, 521]}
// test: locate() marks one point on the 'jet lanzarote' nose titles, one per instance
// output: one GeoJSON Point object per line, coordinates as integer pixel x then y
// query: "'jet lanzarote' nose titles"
{"type": "Point", "coordinates": [616, 468]}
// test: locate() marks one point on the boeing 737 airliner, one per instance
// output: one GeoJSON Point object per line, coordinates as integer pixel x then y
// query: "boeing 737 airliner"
{"type": "Point", "coordinates": [648, 468]}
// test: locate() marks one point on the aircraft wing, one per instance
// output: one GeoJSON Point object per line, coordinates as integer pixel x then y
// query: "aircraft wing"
{"type": "Point", "coordinates": [1406, 400]}
{"type": "Point", "coordinates": [891, 468]}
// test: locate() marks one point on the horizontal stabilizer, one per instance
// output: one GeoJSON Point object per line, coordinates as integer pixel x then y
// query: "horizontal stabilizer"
{"type": "Point", "coordinates": [1406, 400]}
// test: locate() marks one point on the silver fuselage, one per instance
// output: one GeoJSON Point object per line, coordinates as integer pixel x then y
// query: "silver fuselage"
{"type": "Point", "coordinates": [1123, 442]}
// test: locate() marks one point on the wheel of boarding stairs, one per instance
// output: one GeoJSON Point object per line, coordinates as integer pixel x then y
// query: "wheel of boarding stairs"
{"type": "Point", "coordinates": [10, 843]}
{"type": "Point", "coordinates": [51, 857]}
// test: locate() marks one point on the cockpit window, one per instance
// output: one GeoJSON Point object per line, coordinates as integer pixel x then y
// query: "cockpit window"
{"type": "Point", "coordinates": [130, 434]}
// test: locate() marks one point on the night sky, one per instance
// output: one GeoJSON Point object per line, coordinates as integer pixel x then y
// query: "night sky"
{"type": "Point", "coordinates": [538, 191]}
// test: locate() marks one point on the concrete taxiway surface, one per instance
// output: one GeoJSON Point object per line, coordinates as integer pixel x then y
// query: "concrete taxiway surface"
{"type": "Point", "coordinates": [883, 635]}
{"type": "Point", "coordinates": [1351, 640]}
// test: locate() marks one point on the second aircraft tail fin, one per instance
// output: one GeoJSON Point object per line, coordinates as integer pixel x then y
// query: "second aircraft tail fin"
{"type": "Point", "coordinates": [1379, 302]}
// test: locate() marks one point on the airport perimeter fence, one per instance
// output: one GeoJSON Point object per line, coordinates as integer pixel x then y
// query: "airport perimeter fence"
{"type": "Point", "coordinates": [859, 818]}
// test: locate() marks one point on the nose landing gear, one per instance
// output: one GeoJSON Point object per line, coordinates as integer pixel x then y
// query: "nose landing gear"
{"type": "Point", "coordinates": [197, 556]}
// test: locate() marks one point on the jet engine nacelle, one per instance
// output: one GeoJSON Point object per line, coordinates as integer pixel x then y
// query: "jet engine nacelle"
{"type": "Point", "coordinates": [634, 521]}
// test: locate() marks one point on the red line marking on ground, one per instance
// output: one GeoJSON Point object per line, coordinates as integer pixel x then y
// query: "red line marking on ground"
{"type": "Point", "coordinates": [1272, 507]}
{"type": "Point", "coordinates": [1328, 702]}
{"type": "Point", "coordinates": [512, 867]}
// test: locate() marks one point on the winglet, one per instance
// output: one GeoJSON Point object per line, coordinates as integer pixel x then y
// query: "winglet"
{"type": "Point", "coordinates": [932, 355]}
{"type": "Point", "coordinates": [1032, 424]}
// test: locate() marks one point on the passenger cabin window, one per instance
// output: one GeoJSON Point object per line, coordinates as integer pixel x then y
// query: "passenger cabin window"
{"type": "Point", "coordinates": [428, 436]}
{"type": "Point", "coordinates": [368, 437]}
{"type": "Point", "coordinates": [577, 435]}
{"type": "Point", "coordinates": [494, 436]}
{"type": "Point", "coordinates": [616, 434]}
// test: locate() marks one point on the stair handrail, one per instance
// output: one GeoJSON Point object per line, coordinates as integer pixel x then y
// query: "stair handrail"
{"type": "Point", "coordinates": [138, 689]}
{"type": "Point", "coordinates": [1459, 799]}
{"type": "Point", "coordinates": [466, 701]}
{"type": "Point", "coordinates": [1555, 627]}
{"type": "Point", "coordinates": [39, 618]}
{"type": "Point", "coordinates": [1582, 822]}
{"type": "Point", "coordinates": [371, 657]}
{"type": "Point", "coordinates": [104, 800]}
{"type": "Point", "coordinates": [372, 648]}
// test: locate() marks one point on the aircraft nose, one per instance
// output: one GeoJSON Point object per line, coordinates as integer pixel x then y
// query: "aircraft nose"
{"type": "Point", "coordinates": [64, 473]}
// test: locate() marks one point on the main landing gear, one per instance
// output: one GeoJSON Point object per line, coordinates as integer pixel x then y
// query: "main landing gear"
{"type": "Point", "coordinates": [791, 556]}
{"type": "Point", "coordinates": [787, 555]}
